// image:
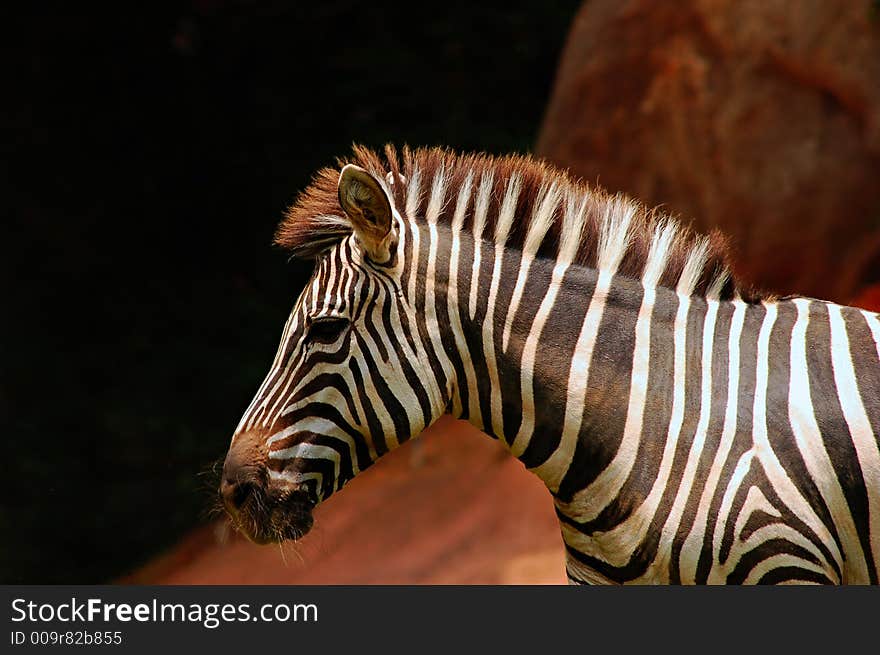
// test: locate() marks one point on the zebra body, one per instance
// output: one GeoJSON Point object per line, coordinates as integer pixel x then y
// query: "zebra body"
{"type": "Point", "coordinates": [687, 434]}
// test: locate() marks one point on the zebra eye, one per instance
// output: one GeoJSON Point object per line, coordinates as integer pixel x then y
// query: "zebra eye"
{"type": "Point", "coordinates": [327, 329]}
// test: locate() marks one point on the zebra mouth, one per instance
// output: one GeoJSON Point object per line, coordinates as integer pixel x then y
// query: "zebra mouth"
{"type": "Point", "coordinates": [266, 520]}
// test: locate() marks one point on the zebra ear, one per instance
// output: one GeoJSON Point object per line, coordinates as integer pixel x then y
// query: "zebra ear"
{"type": "Point", "coordinates": [364, 201]}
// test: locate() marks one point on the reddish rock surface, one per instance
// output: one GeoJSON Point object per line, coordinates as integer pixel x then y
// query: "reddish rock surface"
{"type": "Point", "coordinates": [760, 118]}
{"type": "Point", "coordinates": [868, 298]}
{"type": "Point", "coordinates": [451, 508]}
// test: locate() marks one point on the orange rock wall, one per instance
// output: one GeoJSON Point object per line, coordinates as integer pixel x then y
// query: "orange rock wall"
{"type": "Point", "coordinates": [760, 118]}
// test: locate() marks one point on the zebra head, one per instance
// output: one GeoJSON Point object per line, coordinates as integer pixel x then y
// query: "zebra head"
{"type": "Point", "coordinates": [350, 380]}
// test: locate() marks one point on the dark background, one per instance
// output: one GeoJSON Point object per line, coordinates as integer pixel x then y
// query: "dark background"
{"type": "Point", "coordinates": [149, 154]}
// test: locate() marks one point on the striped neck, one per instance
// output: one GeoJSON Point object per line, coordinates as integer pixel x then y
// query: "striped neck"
{"type": "Point", "coordinates": [501, 330]}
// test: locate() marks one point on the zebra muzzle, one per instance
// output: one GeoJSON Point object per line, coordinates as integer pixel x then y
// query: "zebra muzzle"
{"type": "Point", "coordinates": [265, 513]}
{"type": "Point", "coordinates": [264, 509]}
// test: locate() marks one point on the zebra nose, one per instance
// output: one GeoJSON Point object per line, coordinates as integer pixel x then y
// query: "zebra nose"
{"type": "Point", "coordinates": [242, 476]}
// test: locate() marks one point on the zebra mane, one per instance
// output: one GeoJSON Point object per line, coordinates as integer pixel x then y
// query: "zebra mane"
{"type": "Point", "coordinates": [522, 203]}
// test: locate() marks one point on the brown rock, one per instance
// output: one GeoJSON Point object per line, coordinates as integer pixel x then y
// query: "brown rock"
{"type": "Point", "coordinates": [758, 117]}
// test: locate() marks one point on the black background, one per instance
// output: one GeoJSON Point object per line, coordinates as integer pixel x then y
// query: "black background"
{"type": "Point", "coordinates": [149, 151]}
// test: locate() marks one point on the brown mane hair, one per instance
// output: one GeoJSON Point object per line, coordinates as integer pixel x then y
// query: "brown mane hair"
{"type": "Point", "coordinates": [316, 221]}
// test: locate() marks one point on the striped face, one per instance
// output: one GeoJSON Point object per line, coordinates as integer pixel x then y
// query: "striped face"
{"type": "Point", "coordinates": [346, 386]}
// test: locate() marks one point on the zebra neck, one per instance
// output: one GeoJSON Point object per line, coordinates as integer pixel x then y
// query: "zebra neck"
{"type": "Point", "coordinates": [509, 338]}
{"type": "Point", "coordinates": [564, 355]}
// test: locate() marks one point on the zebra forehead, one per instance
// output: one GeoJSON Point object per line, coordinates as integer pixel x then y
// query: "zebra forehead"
{"type": "Point", "coordinates": [526, 204]}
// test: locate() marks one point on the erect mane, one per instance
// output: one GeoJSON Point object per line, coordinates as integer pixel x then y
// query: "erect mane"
{"type": "Point", "coordinates": [552, 212]}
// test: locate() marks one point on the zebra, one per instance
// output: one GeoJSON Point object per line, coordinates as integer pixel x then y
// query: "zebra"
{"type": "Point", "coordinates": [690, 429]}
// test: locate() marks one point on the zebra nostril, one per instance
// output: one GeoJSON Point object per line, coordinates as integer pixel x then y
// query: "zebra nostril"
{"type": "Point", "coordinates": [240, 493]}
{"type": "Point", "coordinates": [235, 494]}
